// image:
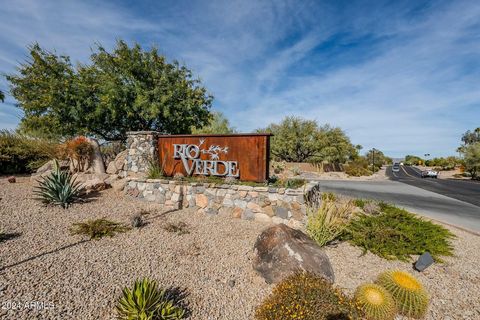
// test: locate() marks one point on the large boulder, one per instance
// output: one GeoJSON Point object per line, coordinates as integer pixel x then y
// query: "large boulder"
{"type": "Point", "coordinates": [97, 164]}
{"type": "Point", "coordinates": [118, 164]}
{"type": "Point", "coordinates": [281, 250]}
{"type": "Point", "coordinates": [94, 185]}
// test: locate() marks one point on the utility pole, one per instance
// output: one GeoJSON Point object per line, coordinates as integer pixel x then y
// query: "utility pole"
{"type": "Point", "coordinates": [373, 160]}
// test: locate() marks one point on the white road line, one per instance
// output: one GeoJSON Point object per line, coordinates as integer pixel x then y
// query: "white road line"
{"type": "Point", "coordinates": [408, 174]}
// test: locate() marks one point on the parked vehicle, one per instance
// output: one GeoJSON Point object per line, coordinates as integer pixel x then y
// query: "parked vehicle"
{"type": "Point", "coordinates": [429, 174]}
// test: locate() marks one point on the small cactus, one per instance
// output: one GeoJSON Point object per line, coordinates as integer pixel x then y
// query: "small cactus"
{"type": "Point", "coordinates": [376, 302]}
{"type": "Point", "coordinates": [409, 295]}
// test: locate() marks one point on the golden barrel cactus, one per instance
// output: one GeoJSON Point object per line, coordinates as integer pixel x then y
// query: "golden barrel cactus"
{"type": "Point", "coordinates": [376, 302]}
{"type": "Point", "coordinates": [409, 295]}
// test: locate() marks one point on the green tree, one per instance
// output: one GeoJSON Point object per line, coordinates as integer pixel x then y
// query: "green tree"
{"type": "Point", "coordinates": [299, 140]}
{"type": "Point", "coordinates": [378, 156]}
{"type": "Point", "coordinates": [128, 89]}
{"type": "Point", "coordinates": [471, 137]}
{"type": "Point", "coordinates": [46, 92]}
{"type": "Point", "coordinates": [219, 124]}
{"type": "Point", "coordinates": [294, 139]}
{"type": "Point", "coordinates": [472, 159]}
{"type": "Point", "coordinates": [413, 160]}
{"type": "Point", "coordinates": [334, 146]}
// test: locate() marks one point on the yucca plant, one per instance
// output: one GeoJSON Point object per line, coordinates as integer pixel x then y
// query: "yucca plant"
{"type": "Point", "coordinates": [147, 302]}
{"type": "Point", "coordinates": [58, 188]}
{"type": "Point", "coordinates": [376, 302]}
{"type": "Point", "coordinates": [409, 295]}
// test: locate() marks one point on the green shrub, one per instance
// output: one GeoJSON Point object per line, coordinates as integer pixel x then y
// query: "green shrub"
{"type": "Point", "coordinates": [308, 297]}
{"type": "Point", "coordinates": [328, 222]}
{"type": "Point", "coordinates": [398, 234]}
{"type": "Point", "coordinates": [376, 302]}
{"type": "Point", "coordinates": [278, 167]}
{"type": "Point", "coordinates": [22, 154]}
{"type": "Point", "coordinates": [99, 228]}
{"type": "Point", "coordinates": [360, 203]}
{"type": "Point", "coordinates": [146, 302]}
{"type": "Point", "coordinates": [359, 167]}
{"type": "Point", "coordinates": [295, 170]}
{"type": "Point", "coordinates": [329, 196]}
{"type": "Point", "coordinates": [154, 170]}
{"type": "Point", "coordinates": [58, 188]}
{"type": "Point", "coordinates": [357, 171]}
{"type": "Point", "coordinates": [410, 296]}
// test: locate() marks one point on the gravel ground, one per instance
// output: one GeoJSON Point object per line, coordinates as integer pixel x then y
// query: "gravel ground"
{"type": "Point", "coordinates": [212, 263]}
{"type": "Point", "coordinates": [454, 286]}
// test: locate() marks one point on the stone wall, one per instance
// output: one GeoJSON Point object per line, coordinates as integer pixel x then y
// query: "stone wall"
{"type": "Point", "coordinates": [239, 201]}
{"type": "Point", "coordinates": [142, 148]}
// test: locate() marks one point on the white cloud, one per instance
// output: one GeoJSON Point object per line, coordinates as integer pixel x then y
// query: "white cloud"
{"type": "Point", "coordinates": [408, 91]}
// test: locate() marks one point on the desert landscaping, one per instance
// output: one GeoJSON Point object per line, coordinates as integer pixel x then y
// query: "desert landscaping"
{"type": "Point", "coordinates": [209, 262]}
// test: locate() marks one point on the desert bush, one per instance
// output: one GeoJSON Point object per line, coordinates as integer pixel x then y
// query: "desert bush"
{"type": "Point", "coordinates": [360, 203]}
{"type": "Point", "coordinates": [376, 302]}
{"type": "Point", "coordinates": [110, 150]}
{"type": "Point", "coordinates": [79, 151]}
{"type": "Point", "coordinates": [308, 297]}
{"type": "Point", "coordinates": [23, 154]}
{"type": "Point", "coordinates": [327, 222]}
{"type": "Point", "coordinates": [295, 170]}
{"type": "Point", "coordinates": [358, 168]}
{"type": "Point", "coordinates": [278, 167]}
{"type": "Point", "coordinates": [99, 228]}
{"type": "Point", "coordinates": [58, 188]}
{"type": "Point", "coordinates": [329, 196]}
{"type": "Point", "coordinates": [398, 234]}
{"type": "Point", "coordinates": [147, 302]}
{"type": "Point", "coordinates": [410, 296]}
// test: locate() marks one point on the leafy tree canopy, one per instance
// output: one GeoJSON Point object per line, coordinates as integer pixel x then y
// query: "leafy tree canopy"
{"type": "Point", "coordinates": [128, 89]}
{"type": "Point", "coordinates": [471, 137]}
{"type": "Point", "coordinates": [219, 124]}
{"type": "Point", "coordinates": [299, 140]}
{"type": "Point", "coordinates": [472, 159]}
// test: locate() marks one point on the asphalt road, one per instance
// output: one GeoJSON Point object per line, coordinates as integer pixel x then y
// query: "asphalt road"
{"type": "Point", "coordinates": [412, 198]}
{"type": "Point", "coordinates": [464, 190]}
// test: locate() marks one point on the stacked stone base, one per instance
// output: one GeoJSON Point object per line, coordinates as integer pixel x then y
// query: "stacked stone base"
{"type": "Point", "coordinates": [267, 204]}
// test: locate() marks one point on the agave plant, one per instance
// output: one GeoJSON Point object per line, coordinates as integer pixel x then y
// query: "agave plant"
{"type": "Point", "coordinates": [58, 188]}
{"type": "Point", "coordinates": [147, 302]}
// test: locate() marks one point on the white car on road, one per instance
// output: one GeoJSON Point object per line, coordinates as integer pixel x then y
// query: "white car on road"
{"type": "Point", "coordinates": [429, 174]}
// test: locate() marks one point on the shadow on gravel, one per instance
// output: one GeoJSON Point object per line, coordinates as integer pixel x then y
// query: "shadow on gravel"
{"type": "Point", "coordinates": [179, 297]}
{"type": "Point", "coordinates": [9, 236]}
{"type": "Point", "coordinates": [150, 217]}
{"type": "Point", "coordinates": [43, 254]}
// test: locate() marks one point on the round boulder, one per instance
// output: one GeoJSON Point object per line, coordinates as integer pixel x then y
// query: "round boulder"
{"type": "Point", "coordinates": [281, 250]}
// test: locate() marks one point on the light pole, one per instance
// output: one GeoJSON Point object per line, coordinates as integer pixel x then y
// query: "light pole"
{"type": "Point", "coordinates": [373, 160]}
{"type": "Point", "coordinates": [426, 158]}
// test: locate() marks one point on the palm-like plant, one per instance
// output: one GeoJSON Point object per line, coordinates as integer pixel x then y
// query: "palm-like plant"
{"type": "Point", "coordinates": [146, 302]}
{"type": "Point", "coordinates": [58, 188]}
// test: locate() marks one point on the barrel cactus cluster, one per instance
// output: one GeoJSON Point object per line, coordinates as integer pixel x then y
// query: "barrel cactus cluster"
{"type": "Point", "coordinates": [409, 294]}
{"type": "Point", "coordinates": [393, 292]}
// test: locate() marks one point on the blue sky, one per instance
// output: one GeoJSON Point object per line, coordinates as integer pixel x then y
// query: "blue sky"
{"type": "Point", "coordinates": [401, 76]}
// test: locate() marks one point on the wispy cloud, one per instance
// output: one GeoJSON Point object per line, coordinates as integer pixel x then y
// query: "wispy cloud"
{"type": "Point", "coordinates": [401, 77]}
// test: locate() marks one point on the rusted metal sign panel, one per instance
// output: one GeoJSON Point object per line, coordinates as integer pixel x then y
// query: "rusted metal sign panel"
{"type": "Point", "coordinates": [243, 156]}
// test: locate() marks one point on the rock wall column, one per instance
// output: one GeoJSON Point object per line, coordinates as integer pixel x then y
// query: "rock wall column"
{"type": "Point", "coordinates": [142, 148]}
